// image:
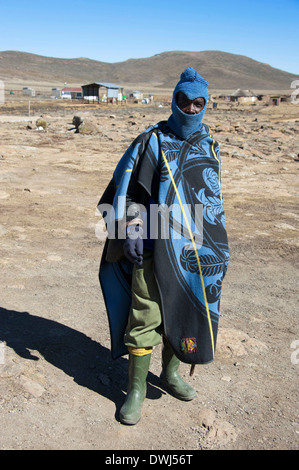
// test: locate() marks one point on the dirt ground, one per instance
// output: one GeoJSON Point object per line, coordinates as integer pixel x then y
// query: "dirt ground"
{"type": "Point", "coordinates": [59, 387]}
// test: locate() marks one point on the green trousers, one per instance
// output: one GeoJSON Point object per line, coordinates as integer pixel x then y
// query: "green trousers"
{"type": "Point", "coordinates": [144, 327]}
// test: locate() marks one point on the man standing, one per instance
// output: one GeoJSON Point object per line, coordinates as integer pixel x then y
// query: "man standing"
{"type": "Point", "coordinates": [162, 276]}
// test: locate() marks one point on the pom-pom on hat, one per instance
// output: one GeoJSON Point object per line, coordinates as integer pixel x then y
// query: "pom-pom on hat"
{"type": "Point", "coordinates": [192, 84]}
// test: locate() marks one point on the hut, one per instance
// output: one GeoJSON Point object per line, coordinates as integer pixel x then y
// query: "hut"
{"type": "Point", "coordinates": [102, 91]}
{"type": "Point", "coordinates": [243, 96]}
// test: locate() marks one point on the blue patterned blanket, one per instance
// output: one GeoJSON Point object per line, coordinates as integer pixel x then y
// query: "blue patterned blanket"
{"type": "Point", "coordinates": [190, 249]}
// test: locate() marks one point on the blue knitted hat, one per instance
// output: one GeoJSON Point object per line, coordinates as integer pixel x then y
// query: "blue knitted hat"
{"type": "Point", "coordinates": [193, 86]}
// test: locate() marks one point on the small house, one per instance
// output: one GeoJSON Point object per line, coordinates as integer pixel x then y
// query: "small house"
{"type": "Point", "coordinates": [102, 91]}
{"type": "Point", "coordinates": [71, 93]}
{"type": "Point", "coordinates": [56, 92]}
{"type": "Point", "coordinates": [275, 100]}
{"type": "Point", "coordinates": [28, 91]}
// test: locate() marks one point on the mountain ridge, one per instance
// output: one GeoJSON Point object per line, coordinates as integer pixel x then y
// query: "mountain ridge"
{"type": "Point", "coordinates": [223, 70]}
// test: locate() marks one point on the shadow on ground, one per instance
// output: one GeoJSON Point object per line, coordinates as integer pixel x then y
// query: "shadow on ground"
{"type": "Point", "coordinates": [87, 361]}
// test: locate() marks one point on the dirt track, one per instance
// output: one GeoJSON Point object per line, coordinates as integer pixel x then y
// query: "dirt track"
{"type": "Point", "coordinates": [59, 388]}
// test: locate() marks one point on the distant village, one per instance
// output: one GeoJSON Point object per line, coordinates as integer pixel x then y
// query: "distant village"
{"type": "Point", "coordinates": [97, 92]}
{"type": "Point", "coordinates": [102, 92]}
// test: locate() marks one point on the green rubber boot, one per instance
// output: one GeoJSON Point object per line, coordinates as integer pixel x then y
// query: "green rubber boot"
{"type": "Point", "coordinates": [170, 377]}
{"type": "Point", "coordinates": [130, 412]}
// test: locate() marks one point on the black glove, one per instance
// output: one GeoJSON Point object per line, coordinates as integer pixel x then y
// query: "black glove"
{"type": "Point", "coordinates": [133, 246]}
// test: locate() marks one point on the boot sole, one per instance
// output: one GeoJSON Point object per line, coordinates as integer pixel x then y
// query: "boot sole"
{"type": "Point", "coordinates": [129, 422]}
{"type": "Point", "coordinates": [176, 395]}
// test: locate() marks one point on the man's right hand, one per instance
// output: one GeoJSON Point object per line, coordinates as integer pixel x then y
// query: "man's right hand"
{"type": "Point", "coordinates": [133, 246]}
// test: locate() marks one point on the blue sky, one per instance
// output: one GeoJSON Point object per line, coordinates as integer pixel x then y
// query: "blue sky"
{"type": "Point", "coordinates": [116, 30]}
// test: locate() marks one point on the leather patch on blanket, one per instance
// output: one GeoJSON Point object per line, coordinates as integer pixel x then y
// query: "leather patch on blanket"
{"type": "Point", "coordinates": [189, 345]}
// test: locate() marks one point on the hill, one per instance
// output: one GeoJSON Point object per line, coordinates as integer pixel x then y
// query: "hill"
{"type": "Point", "coordinates": [223, 70]}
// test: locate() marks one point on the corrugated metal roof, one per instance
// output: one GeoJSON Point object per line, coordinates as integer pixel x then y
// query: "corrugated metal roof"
{"type": "Point", "coordinates": [105, 84]}
{"type": "Point", "coordinates": [110, 85]}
